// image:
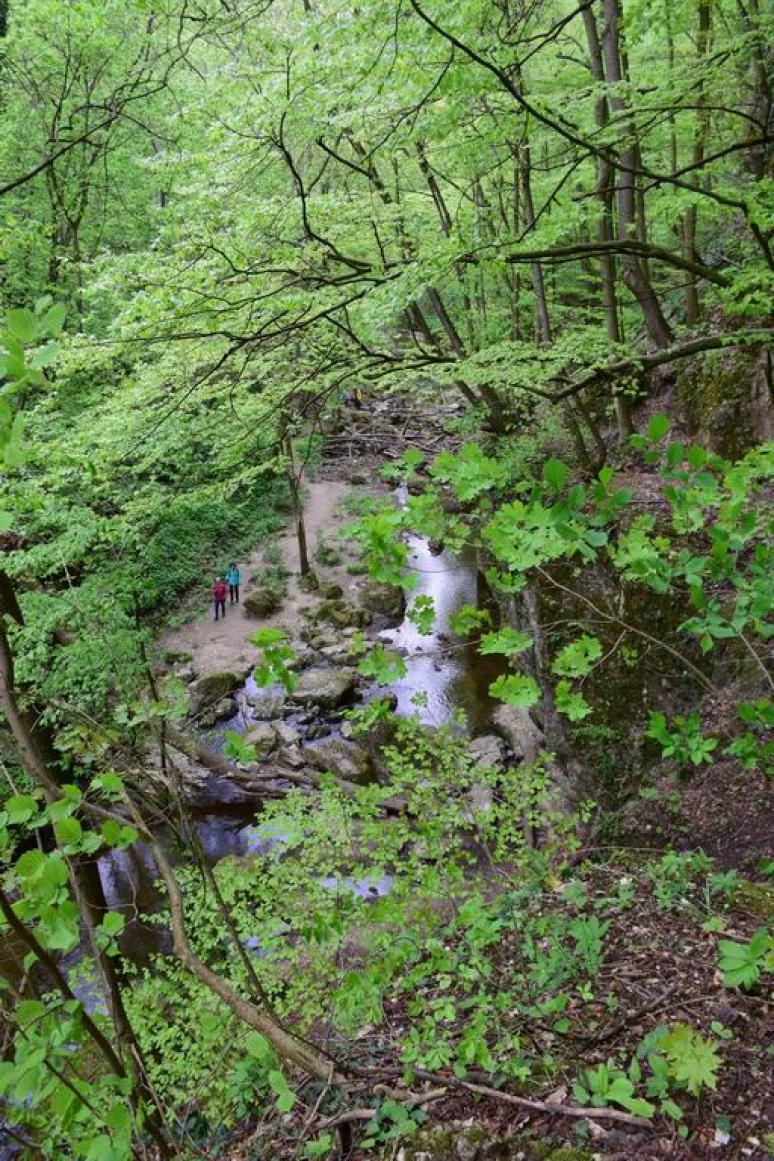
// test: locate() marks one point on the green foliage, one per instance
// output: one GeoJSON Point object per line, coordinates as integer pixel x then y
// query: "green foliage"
{"type": "Point", "coordinates": [742, 964]}
{"type": "Point", "coordinates": [685, 742]}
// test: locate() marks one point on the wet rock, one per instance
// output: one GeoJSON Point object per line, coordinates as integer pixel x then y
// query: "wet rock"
{"type": "Point", "coordinates": [206, 691]}
{"type": "Point", "coordinates": [264, 601]}
{"type": "Point", "coordinates": [519, 731]}
{"type": "Point", "coordinates": [264, 706]}
{"type": "Point", "coordinates": [337, 612]}
{"type": "Point", "coordinates": [339, 756]}
{"type": "Point", "coordinates": [488, 751]}
{"type": "Point", "coordinates": [263, 738]}
{"type": "Point", "coordinates": [224, 709]}
{"type": "Point", "coordinates": [382, 598]}
{"type": "Point", "coordinates": [287, 735]}
{"type": "Point", "coordinates": [341, 654]}
{"type": "Point", "coordinates": [291, 756]}
{"type": "Point", "coordinates": [326, 688]}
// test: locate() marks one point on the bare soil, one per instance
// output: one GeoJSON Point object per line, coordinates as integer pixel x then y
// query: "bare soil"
{"type": "Point", "coordinates": [225, 644]}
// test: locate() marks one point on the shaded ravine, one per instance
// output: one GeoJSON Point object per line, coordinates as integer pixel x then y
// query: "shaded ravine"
{"type": "Point", "coordinates": [447, 676]}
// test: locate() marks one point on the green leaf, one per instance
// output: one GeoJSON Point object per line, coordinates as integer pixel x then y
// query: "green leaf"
{"type": "Point", "coordinates": [657, 428]}
{"type": "Point", "coordinates": [577, 658]}
{"type": "Point", "coordinates": [467, 619]}
{"type": "Point", "coordinates": [68, 832]}
{"type": "Point", "coordinates": [555, 474]}
{"type": "Point", "coordinates": [54, 318]}
{"type": "Point", "coordinates": [516, 689]}
{"type": "Point", "coordinates": [572, 705]}
{"type": "Point", "coordinates": [23, 325]}
{"type": "Point", "coordinates": [507, 641]}
{"type": "Point", "coordinates": [113, 923]}
{"type": "Point", "coordinates": [384, 666]}
{"type": "Point", "coordinates": [693, 1061]}
{"type": "Point", "coordinates": [21, 808]}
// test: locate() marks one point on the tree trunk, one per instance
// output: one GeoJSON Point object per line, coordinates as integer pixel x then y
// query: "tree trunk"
{"type": "Point", "coordinates": [605, 193]}
{"type": "Point", "coordinates": [634, 273]}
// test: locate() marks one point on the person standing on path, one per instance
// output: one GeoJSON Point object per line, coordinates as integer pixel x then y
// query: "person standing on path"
{"type": "Point", "coordinates": [234, 579]}
{"type": "Point", "coordinates": [219, 594]}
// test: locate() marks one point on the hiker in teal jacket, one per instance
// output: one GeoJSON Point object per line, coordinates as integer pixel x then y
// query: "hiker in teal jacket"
{"type": "Point", "coordinates": [234, 580]}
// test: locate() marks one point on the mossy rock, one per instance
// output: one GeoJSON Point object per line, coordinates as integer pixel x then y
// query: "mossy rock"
{"type": "Point", "coordinates": [382, 598]}
{"type": "Point", "coordinates": [757, 898]}
{"type": "Point", "coordinates": [330, 591]}
{"type": "Point", "coordinates": [337, 612]}
{"type": "Point", "coordinates": [172, 658]}
{"type": "Point", "coordinates": [478, 1144]}
{"type": "Point", "coordinates": [206, 691]}
{"type": "Point", "coordinates": [263, 602]}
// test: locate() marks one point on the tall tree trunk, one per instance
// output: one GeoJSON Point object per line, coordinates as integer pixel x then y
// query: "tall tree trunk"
{"type": "Point", "coordinates": [294, 483]}
{"type": "Point", "coordinates": [635, 274]}
{"type": "Point", "coordinates": [699, 140]}
{"type": "Point", "coordinates": [605, 229]}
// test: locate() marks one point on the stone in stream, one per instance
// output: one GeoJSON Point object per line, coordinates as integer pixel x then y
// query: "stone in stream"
{"type": "Point", "coordinates": [379, 597]}
{"type": "Point", "coordinates": [326, 688]}
{"type": "Point", "coordinates": [337, 612]}
{"type": "Point", "coordinates": [519, 730]}
{"type": "Point", "coordinates": [206, 691]}
{"type": "Point", "coordinates": [224, 709]}
{"type": "Point", "coordinates": [340, 757]}
{"type": "Point", "coordinates": [488, 751]}
{"type": "Point", "coordinates": [287, 735]}
{"type": "Point", "coordinates": [263, 738]}
{"type": "Point", "coordinates": [264, 705]}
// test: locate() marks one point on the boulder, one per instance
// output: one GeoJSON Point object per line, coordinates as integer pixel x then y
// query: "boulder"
{"type": "Point", "coordinates": [291, 756]}
{"type": "Point", "coordinates": [206, 691]}
{"type": "Point", "coordinates": [263, 602]}
{"type": "Point", "coordinates": [287, 735]}
{"type": "Point", "coordinates": [479, 801]}
{"type": "Point", "coordinates": [266, 705]}
{"type": "Point", "coordinates": [382, 598]}
{"type": "Point", "coordinates": [263, 738]}
{"type": "Point", "coordinates": [331, 591]}
{"type": "Point", "coordinates": [172, 658]}
{"type": "Point", "coordinates": [339, 757]}
{"type": "Point", "coordinates": [519, 730]}
{"type": "Point", "coordinates": [326, 688]}
{"type": "Point", "coordinates": [488, 751]}
{"type": "Point", "coordinates": [337, 612]}
{"type": "Point", "coordinates": [224, 709]}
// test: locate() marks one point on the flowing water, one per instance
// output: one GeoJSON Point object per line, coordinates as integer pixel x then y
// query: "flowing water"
{"type": "Point", "coordinates": [441, 677]}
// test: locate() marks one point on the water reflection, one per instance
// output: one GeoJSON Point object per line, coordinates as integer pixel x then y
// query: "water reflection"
{"type": "Point", "coordinates": [445, 674]}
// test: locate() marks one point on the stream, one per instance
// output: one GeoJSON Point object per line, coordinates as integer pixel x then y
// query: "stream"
{"type": "Point", "coordinates": [448, 676]}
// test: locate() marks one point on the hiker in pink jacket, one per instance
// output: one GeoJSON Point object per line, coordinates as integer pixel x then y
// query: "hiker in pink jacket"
{"type": "Point", "coordinates": [219, 594]}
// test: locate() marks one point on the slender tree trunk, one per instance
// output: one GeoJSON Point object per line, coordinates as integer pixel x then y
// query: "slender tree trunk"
{"type": "Point", "coordinates": [634, 273]}
{"type": "Point", "coordinates": [294, 484]}
{"type": "Point", "coordinates": [605, 229]}
{"type": "Point", "coordinates": [699, 140]}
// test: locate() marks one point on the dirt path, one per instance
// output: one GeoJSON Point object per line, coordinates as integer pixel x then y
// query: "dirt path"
{"type": "Point", "coordinates": [226, 645]}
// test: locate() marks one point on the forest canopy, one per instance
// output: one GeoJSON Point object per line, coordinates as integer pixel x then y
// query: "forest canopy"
{"type": "Point", "coordinates": [495, 278]}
